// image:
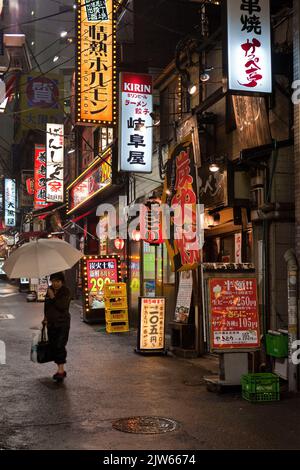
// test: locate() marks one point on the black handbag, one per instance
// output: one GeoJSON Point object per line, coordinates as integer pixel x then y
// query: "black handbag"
{"type": "Point", "coordinates": [44, 350]}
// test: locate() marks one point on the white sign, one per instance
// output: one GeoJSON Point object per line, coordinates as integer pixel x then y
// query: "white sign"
{"type": "Point", "coordinates": [152, 329]}
{"type": "Point", "coordinates": [184, 297]}
{"type": "Point", "coordinates": [249, 46]}
{"type": "Point", "coordinates": [10, 202]}
{"type": "Point", "coordinates": [55, 163]}
{"type": "Point", "coordinates": [136, 126]}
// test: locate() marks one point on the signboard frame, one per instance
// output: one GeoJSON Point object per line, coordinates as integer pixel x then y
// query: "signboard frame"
{"type": "Point", "coordinates": [148, 351]}
{"type": "Point", "coordinates": [95, 315]}
{"type": "Point", "coordinates": [234, 277]}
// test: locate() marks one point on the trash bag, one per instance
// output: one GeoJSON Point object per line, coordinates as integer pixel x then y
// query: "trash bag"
{"type": "Point", "coordinates": [41, 350]}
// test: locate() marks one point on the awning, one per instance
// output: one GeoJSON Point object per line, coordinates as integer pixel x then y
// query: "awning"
{"type": "Point", "coordinates": [47, 210]}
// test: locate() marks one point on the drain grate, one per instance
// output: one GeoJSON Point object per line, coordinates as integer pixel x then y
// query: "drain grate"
{"type": "Point", "coordinates": [145, 425]}
{"type": "Point", "coordinates": [6, 316]}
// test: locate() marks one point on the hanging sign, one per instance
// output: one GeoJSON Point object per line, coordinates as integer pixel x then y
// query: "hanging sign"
{"type": "Point", "coordinates": [10, 202]}
{"type": "Point", "coordinates": [184, 297]}
{"type": "Point", "coordinates": [249, 46]}
{"type": "Point", "coordinates": [136, 125]}
{"type": "Point", "coordinates": [238, 247]}
{"type": "Point", "coordinates": [180, 191]}
{"type": "Point", "coordinates": [151, 332]}
{"type": "Point", "coordinates": [55, 163]}
{"type": "Point", "coordinates": [96, 62]}
{"type": "Point", "coordinates": [151, 222]}
{"type": "Point", "coordinates": [234, 321]}
{"type": "Point", "coordinates": [40, 176]}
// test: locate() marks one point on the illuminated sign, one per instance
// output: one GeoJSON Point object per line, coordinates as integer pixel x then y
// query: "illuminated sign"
{"type": "Point", "coordinates": [136, 125]}
{"type": "Point", "coordinates": [249, 46]}
{"type": "Point", "coordinates": [97, 272]}
{"type": "Point", "coordinates": [10, 202]}
{"type": "Point", "coordinates": [234, 321]}
{"type": "Point", "coordinates": [55, 163]}
{"type": "Point", "coordinates": [151, 335]}
{"type": "Point", "coordinates": [40, 176]}
{"type": "Point", "coordinates": [92, 181]}
{"type": "Point", "coordinates": [180, 190]}
{"type": "Point", "coordinates": [96, 62]}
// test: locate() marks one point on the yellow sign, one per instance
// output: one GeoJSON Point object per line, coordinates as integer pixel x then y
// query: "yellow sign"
{"type": "Point", "coordinates": [96, 62]}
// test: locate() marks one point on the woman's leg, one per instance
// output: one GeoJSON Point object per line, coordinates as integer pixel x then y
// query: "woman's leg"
{"type": "Point", "coordinates": [58, 338]}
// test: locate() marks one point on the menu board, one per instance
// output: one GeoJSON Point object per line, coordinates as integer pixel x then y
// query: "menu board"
{"type": "Point", "coordinates": [234, 320]}
{"type": "Point", "coordinates": [99, 271]}
{"type": "Point", "coordinates": [184, 297]}
{"type": "Point", "coordinates": [152, 323]}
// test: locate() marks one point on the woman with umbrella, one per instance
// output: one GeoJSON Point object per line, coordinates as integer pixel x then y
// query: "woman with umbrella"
{"type": "Point", "coordinates": [57, 318]}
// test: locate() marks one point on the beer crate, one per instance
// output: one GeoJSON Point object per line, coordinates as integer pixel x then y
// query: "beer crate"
{"type": "Point", "coordinates": [115, 303]}
{"type": "Point", "coordinates": [117, 327]}
{"type": "Point", "coordinates": [260, 387]}
{"type": "Point", "coordinates": [115, 290]}
{"type": "Point", "coordinates": [116, 315]}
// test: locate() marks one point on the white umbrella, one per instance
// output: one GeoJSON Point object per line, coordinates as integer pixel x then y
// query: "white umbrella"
{"type": "Point", "coordinates": [40, 258]}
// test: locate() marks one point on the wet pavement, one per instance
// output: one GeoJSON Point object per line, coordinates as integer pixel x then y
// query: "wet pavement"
{"type": "Point", "coordinates": [107, 381]}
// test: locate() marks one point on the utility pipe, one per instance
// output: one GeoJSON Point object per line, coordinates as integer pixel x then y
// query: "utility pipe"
{"type": "Point", "coordinates": [292, 267]}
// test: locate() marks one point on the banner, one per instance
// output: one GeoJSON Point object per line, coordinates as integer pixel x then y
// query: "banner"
{"type": "Point", "coordinates": [40, 176]}
{"type": "Point", "coordinates": [136, 125]}
{"type": "Point", "coordinates": [55, 163]}
{"type": "Point", "coordinates": [184, 297]}
{"type": "Point", "coordinates": [183, 237]}
{"type": "Point", "coordinates": [249, 46]}
{"type": "Point", "coordinates": [10, 202]}
{"type": "Point", "coordinates": [234, 321]}
{"type": "Point", "coordinates": [96, 62]}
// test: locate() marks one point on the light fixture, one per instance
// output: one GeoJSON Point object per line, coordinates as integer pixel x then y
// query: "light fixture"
{"type": "Point", "coordinates": [32, 13]}
{"type": "Point", "coordinates": [55, 58]}
{"type": "Point", "coordinates": [155, 119]}
{"type": "Point", "coordinates": [192, 88]}
{"type": "Point", "coordinates": [214, 167]}
{"type": "Point", "coordinates": [71, 151]}
{"type": "Point", "coordinates": [32, 43]}
{"type": "Point", "coordinates": [205, 75]}
{"type": "Point", "coordinates": [64, 34]}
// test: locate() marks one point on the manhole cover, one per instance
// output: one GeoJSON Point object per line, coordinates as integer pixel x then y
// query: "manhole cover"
{"type": "Point", "coordinates": [6, 316]}
{"type": "Point", "coordinates": [145, 425]}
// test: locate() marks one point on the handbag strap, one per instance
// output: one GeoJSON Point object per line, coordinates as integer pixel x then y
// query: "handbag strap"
{"type": "Point", "coordinates": [44, 338]}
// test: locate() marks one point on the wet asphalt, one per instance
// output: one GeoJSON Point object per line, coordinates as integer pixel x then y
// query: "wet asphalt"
{"type": "Point", "coordinates": [107, 381]}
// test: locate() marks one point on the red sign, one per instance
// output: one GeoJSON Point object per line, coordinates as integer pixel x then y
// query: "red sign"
{"type": "Point", "coordinates": [180, 191]}
{"type": "Point", "coordinates": [100, 271]}
{"type": "Point", "coordinates": [234, 320]}
{"type": "Point", "coordinates": [40, 176]}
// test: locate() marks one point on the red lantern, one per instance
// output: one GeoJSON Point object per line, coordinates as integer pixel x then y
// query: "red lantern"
{"type": "Point", "coordinates": [136, 235]}
{"type": "Point", "coordinates": [119, 243]}
{"type": "Point", "coordinates": [151, 222]}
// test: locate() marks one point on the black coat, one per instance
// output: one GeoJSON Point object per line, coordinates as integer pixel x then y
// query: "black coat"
{"type": "Point", "coordinates": [57, 310]}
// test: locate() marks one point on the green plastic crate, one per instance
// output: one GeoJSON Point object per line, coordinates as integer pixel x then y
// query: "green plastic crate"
{"type": "Point", "coordinates": [260, 387]}
{"type": "Point", "coordinates": [277, 345]}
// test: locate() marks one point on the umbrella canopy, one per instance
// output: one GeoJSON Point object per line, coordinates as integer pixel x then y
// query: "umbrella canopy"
{"type": "Point", "coordinates": [40, 258]}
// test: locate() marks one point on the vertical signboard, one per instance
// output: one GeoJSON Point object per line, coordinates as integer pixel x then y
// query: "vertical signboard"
{"type": "Point", "coordinates": [25, 191]}
{"type": "Point", "coordinates": [136, 126]}
{"type": "Point", "coordinates": [10, 202]}
{"type": "Point", "coordinates": [184, 297]}
{"type": "Point", "coordinates": [55, 163]}
{"type": "Point", "coordinates": [39, 176]}
{"type": "Point", "coordinates": [96, 62]}
{"type": "Point", "coordinates": [184, 241]}
{"type": "Point", "coordinates": [234, 321]}
{"type": "Point", "coordinates": [249, 46]}
{"type": "Point", "coordinates": [151, 333]}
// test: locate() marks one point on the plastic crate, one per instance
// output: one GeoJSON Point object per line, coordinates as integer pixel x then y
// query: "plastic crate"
{"type": "Point", "coordinates": [115, 290]}
{"type": "Point", "coordinates": [116, 315]}
{"type": "Point", "coordinates": [277, 345]}
{"type": "Point", "coordinates": [117, 327]}
{"type": "Point", "coordinates": [260, 387]}
{"type": "Point", "coordinates": [115, 303]}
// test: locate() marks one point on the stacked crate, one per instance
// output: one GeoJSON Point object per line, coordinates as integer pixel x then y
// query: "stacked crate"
{"type": "Point", "coordinates": [116, 307]}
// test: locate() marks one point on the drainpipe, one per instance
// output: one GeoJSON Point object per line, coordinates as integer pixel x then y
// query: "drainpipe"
{"type": "Point", "coordinates": [292, 267]}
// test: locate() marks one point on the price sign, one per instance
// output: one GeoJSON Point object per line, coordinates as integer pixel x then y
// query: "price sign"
{"type": "Point", "coordinates": [234, 320]}
{"type": "Point", "coordinates": [99, 271]}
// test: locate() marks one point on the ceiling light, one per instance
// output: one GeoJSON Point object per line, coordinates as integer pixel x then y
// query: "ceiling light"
{"type": "Point", "coordinates": [32, 13]}
{"type": "Point", "coordinates": [204, 77]}
{"type": "Point", "coordinates": [71, 151]}
{"type": "Point", "coordinates": [63, 34]}
{"type": "Point", "coordinates": [213, 167]}
{"type": "Point", "coordinates": [55, 58]}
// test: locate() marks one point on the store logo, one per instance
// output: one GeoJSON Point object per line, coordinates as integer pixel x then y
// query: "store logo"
{"type": "Point", "coordinates": [2, 353]}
